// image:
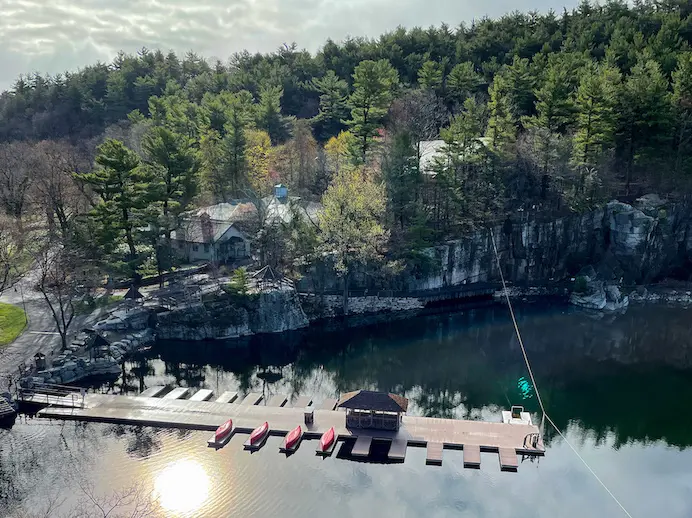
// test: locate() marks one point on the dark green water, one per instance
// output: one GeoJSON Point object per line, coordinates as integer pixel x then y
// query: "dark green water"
{"type": "Point", "coordinates": [619, 387]}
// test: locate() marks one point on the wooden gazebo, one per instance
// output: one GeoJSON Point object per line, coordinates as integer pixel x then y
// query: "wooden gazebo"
{"type": "Point", "coordinates": [371, 409]}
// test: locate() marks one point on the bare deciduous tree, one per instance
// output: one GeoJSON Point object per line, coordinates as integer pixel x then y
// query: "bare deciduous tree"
{"type": "Point", "coordinates": [14, 177]}
{"type": "Point", "coordinates": [61, 280]}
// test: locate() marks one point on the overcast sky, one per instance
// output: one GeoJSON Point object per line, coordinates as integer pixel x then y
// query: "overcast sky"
{"type": "Point", "coordinates": [53, 36]}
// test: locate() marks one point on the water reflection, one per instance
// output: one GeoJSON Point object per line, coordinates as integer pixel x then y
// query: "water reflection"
{"type": "Point", "coordinates": [599, 372]}
{"type": "Point", "coordinates": [182, 487]}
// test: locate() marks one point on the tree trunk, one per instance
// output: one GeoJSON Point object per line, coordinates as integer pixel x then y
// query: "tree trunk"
{"type": "Point", "coordinates": [345, 301]}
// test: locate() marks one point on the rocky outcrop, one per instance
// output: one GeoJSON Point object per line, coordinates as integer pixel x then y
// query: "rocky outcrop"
{"type": "Point", "coordinates": [640, 243]}
{"type": "Point", "coordinates": [84, 358]}
{"type": "Point", "coordinates": [225, 317]}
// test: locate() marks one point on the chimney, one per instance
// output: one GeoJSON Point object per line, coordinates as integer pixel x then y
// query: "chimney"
{"type": "Point", "coordinates": [207, 228]}
{"type": "Point", "coordinates": [280, 192]}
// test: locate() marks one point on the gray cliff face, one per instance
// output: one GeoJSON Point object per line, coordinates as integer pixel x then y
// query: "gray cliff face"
{"type": "Point", "coordinates": [269, 312]}
{"type": "Point", "coordinates": [639, 244]}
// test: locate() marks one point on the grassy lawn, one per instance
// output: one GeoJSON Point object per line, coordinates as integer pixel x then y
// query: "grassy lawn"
{"type": "Point", "coordinates": [12, 322]}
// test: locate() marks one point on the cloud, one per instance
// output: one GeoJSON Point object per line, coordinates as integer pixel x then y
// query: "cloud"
{"type": "Point", "coordinates": [52, 36]}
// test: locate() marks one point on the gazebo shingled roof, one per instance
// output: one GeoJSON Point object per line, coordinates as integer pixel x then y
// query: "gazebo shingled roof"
{"type": "Point", "coordinates": [372, 400]}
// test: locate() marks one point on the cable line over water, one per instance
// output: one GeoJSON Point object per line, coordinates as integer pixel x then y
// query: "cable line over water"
{"type": "Point", "coordinates": [535, 385]}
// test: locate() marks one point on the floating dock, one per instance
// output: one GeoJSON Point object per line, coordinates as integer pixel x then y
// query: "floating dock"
{"type": "Point", "coordinates": [434, 434]}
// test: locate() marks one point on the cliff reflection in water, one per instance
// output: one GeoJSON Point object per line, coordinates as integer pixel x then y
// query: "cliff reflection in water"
{"type": "Point", "coordinates": [624, 374]}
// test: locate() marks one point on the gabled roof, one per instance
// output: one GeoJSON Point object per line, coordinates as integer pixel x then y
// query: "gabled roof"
{"type": "Point", "coordinates": [194, 230]}
{"type": "Point", "coordinates": [372, 400]}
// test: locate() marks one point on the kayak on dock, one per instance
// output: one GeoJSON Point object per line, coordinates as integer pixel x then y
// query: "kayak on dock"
{"type": "Point", "coordinates": [257, 437]}
{"type": "Point", "coordinates": [327, 442]}
{"type": "Point", "coordinates": [222, 435]}
{"type": "Point", "coordinates": [292, 440]}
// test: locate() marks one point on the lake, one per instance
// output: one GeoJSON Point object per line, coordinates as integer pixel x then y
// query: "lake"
{"type": "Point", "coordinates": [617, 385]}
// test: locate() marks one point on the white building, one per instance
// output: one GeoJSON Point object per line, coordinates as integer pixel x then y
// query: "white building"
{"type": "Point", "coordinates": [201, 238]}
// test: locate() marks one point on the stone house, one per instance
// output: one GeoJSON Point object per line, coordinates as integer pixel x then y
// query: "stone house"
{"type": "Point", "coordinates": [201, 238]}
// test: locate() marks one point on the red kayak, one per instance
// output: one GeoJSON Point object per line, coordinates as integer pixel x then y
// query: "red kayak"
{"type": "Point", "coordinates": [259, 433]}
{"type": "Point", "coordinates": [223, 430]}
{"type": "Point", "coordinates": [327, 439]}
{"type": "Point", "coordinates": [293, 437]}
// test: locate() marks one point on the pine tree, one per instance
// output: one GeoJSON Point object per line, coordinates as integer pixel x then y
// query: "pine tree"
{"type": "Point", "coordinates": [173, 167]}
{"type": "Point", "coordinates": [373, 82]}
{"type": "Point", "coordinates": [462, 82]}
{"type": "Point", "coordinates": [682, 105]}
{"type": "Point", "coordinates": [596, 118]}
{"type": "Point", "coordinates": [124, 189]}
{"type": "Point", "coordinates": [268, 114]}
{"type": "Point", "coordinates": [430, 76]}
{"type": "Point", "coordinates": [645, 118]}
{"type": "Point", "coordinates": [470, 189]}
{"type": "Point", "coordinates": [501, 131]}
{"type": "Point", "coordinates": [520, 82]}
{"type": "Point", "coordinates": [333, 105]}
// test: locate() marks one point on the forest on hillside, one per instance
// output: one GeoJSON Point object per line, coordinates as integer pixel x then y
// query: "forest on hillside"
{"type": "Point", "coordinates": [548, 113]}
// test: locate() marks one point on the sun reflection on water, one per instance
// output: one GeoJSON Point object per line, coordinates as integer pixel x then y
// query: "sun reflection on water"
{"type": "Point", "coordinates": [182, 486]}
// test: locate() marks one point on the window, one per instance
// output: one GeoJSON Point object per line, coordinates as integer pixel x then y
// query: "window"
{"type": "Point", "coordinates": [206, 249]}
{"type": "Point", "coordinates": [195, 248]}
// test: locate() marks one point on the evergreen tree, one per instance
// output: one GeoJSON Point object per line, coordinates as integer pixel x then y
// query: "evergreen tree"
{"type": "Point", "coordinates": [471, 190]}
{"type": "Point", "coordinates": [124, 189]}
{"type": "Point", "coordinates": [645, 118]}
{"type": "Point", "coordinates": [173, 167]}
{"type": "Point", "coordinates": [430, 76]}
{"type": "Point", "coordinates": [268, 115]}
{"type": "Point", "coordinates": [682, 105]}
{"type": "Point", "coordinates": [501, 131]}
{"type": "Point", "coordinates": [462, 82]}
{"type": "Point", "coordinates": [374, 83]}
{"type": "Point", "coordinates": [333, 105]}
{"type": "Point", "coordinates": [520, 81]}
{"type": "Point", "coordinates": [596, 118]}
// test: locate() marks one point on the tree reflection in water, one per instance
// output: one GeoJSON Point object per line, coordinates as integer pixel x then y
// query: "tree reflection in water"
{"type": "Point", "coordinates": [466, 364]}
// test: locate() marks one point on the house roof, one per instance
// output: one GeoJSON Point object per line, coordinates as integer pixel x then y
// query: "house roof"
{"type": "Point", "coordinates": [195, 230]}
{"type": "Point", "coordinates": [372, 400]}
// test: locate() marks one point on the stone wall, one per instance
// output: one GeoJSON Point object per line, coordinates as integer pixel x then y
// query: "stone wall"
{"type": "Point", "coordinates": [267, 312]}
{"type": "Point", "coordinates": [333, 305]}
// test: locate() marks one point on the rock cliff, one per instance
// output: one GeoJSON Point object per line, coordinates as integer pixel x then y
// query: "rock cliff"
{"type": "Point", "coordinates": [640, 243]}
{"type": "Point", "coordinates": [224, 317]}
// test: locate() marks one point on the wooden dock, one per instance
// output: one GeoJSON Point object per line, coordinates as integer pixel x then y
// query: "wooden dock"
{"type": "Point", "coordinates": [202, 395]}
{"type": "Point", "coordinates": [397, 449]}
{"type": "Point", "coordinates": [252, 399]}
{"type": "Point", "coordinates": [472, 456]}
{"type": "Point", "coordinates": [362, 446]}
{"type": "Point", "coordinates": [328, 404]}
{"type": "Point", "coordinates": [277, 400]}
{"type": "Point", "coordinates": [177, 393]}
{"type": "Point", "coordinates": [227, 397]}
{"type": "Point", "coordinates": [435, 434]}
{"type": "Point", "coordinates": [302, 402]}
{"type": "Point", "coordinates": [153, 391]}
{"type": "Point", "coordinates": [433, 453]}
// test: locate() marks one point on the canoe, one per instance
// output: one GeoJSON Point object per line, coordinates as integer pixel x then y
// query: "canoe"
{"type": "Point", "coordinates": [327, 439]}
{"type": "Point", "coordinates": [258, 433]}
{"type": "Point", "coordinates": [223, 430]}
{"type": "Point", "coordinates": [293, 437]}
